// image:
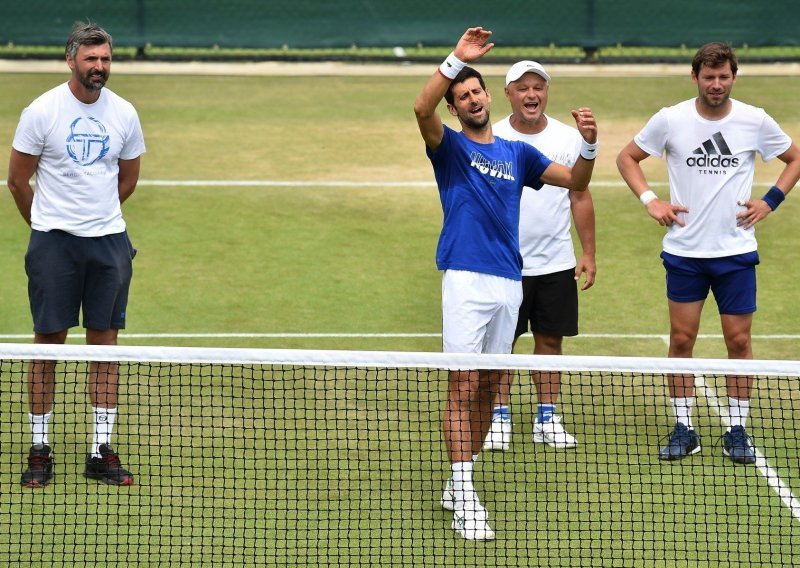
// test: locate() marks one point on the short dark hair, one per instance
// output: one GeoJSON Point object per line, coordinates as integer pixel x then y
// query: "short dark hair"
{"type": "Point", "coordinates": [86, 33]}
{"type": "Point", "coordinates": [714, 54]}
{"type": "Point", "coordinates": [463, 75]}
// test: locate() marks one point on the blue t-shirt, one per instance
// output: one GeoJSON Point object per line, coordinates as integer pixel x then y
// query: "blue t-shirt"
{"type": "Point", "coordinates": [480, 186]}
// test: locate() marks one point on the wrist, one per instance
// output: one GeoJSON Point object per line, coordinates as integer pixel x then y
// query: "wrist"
{"type": "Point", "coordinates": [774, 197]}
{"type": "Point", "coordinates": [451, 66]}
{"type": "Point", "coordinates": [589, 150]}
{"type": "Point", "coordinates": [647, 197]}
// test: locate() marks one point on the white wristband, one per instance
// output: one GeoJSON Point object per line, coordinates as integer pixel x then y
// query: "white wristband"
{"type": "Point", "coordinates": [647, 197]}
{"type": "Point", "coordinates": [589, 151]}
{"type": "Point", "coordinates": [451, 66]}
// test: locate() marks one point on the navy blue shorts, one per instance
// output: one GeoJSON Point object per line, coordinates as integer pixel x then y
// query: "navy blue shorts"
{"type": "Point", "coordinates": [549, 304]}
{"type": "Point", "coordinates": [732, 279]}
{"type": "Point", "coordinates": [66, 272]}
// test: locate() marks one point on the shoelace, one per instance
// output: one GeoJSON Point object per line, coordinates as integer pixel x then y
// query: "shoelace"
{"type": "Point", "coordinates": [38, 462]}
{"type": "Point", "coordinates": [739, 438]}
{"type": "Point", "coordinates": [111, 459]}
{"type": "Point", "coordinates": [678, 437]}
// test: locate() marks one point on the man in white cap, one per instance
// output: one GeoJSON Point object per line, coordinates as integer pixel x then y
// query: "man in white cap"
{"type": "Point", "coordinates": [550, 272]}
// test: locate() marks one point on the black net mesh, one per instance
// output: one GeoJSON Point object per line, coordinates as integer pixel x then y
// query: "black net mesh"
{"type": "Point", "coordinates": [315, 465]}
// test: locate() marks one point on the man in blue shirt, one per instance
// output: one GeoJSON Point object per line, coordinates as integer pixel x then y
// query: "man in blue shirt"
{"type": "Point", "coordinates": [480, 181]}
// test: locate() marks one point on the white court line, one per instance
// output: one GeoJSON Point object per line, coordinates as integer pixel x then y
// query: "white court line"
{"type": "Point", "coordinates": [281, 183]}
{"type": "Point", "coordinates": [289, 183]}
{"type": "Point", "coordinates": [775, 482]}
{"type": "Point", "coordinates": [662, 337]}
{"type": "Point", "coordinates": [246, 335]}
{"type": "Point", "coordinates": [783, 491]}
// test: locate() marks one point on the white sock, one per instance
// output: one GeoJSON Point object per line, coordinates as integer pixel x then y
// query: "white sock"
{"type": "Point", "coordinates": [103, 426]}
{"type": "Point", "coordinates": [739, 410]}
{"type": "Point", "coordinates": [463, 489]}
{"type": "Point", "coordinates": [39, 425]}
{"type": "Point", "coordinates": [683, 410]}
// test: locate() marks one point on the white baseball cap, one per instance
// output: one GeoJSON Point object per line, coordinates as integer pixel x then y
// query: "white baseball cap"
{"type": "Point", "coordinates": [519, 69]}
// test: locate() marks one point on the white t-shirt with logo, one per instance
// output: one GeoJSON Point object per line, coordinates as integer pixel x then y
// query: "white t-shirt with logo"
{"type": "Point", "coordinates": [79, 147]}
{"type": "Point", "coordinates": [545, 241]}
{"type": "Point", "coordinates": [711, 164]}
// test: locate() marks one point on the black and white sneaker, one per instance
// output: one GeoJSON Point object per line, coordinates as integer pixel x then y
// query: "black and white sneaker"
{"type": "Point", "coordinates": [40, 467]}
{"type": "Point", "coordinates": [107, 468]}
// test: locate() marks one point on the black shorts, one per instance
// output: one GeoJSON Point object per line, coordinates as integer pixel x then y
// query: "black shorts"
{"type": "Point", "coordinates": [66, 272]}
{"type": "Point", "coordinates": [549, 304]}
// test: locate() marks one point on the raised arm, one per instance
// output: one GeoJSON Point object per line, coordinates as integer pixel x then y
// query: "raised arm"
{"type": "Point", "coordinates": [21, 168]}
{"type": "Point", "coordinates": [470, 47]}
{"type": "Point", "coordinates": [628, 163]}
{"type": "Point", "coordinates": [578, 176]}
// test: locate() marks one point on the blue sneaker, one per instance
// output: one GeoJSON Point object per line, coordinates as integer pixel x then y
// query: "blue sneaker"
{"type": "Point", "coordinates": [738, 446]}
{"type": "Point", "coordinates": [682, 442]}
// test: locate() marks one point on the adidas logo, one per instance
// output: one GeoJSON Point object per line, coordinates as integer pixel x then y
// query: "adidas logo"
{"type": "Point", "coordinates": [712, 153]}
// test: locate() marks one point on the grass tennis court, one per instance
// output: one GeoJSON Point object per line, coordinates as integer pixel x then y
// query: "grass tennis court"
{"type": "Point", "coordinates": [359, 259]}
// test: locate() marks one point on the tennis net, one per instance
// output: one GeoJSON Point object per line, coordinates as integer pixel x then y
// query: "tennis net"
{"type": "Point", "coordinates": [335, 458]}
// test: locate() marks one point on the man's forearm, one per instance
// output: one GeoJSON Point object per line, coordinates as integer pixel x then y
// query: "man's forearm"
{"type": "Point", "coordinates": [23, 197]}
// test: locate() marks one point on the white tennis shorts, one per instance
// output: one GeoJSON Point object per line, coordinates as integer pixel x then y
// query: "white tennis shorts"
{"type": "Point", "coordinates": [479, 312]}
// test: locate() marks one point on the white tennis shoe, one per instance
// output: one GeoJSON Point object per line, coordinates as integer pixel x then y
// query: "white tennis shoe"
{"type": "Point", "coordinates": [472, 522]}
{"type": "Point", "coordinates": [448, 500]}
{"type": "Point", "coordinates": [449, 496]}
{"type": "Point", "coordinates": [553, 434]}
{"type": "Point", "coordinates": [499, 437]}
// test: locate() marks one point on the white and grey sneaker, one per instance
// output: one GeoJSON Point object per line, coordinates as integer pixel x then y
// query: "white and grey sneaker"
{"type": "Point", "coordinates": [499, 437]}
{"type": "Point", "coordinates": [472, 522]}
{"type": "Point", "coordinates": [553, 434]}
{"type": "Point", "coordinates": [449, 496]}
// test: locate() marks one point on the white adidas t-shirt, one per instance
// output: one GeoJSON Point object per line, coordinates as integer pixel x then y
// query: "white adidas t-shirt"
{"type": "Point", "coordinates": [544, 220]}
{"type": "Point", "coordinates": [711, 164]}
{"type": "Point", "coordinates": [79, 147]}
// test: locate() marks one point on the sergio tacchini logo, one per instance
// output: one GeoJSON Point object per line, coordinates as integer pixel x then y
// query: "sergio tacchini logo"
{"type": "Point", "coordinates": [87, 141]}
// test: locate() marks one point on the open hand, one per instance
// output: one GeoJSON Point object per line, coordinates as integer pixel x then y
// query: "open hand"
{"type": "Point", "coordinates": [472, 45]}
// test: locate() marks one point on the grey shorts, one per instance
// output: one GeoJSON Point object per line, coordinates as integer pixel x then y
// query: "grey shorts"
{"type": "Point", "coordinates": [67, 273]}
